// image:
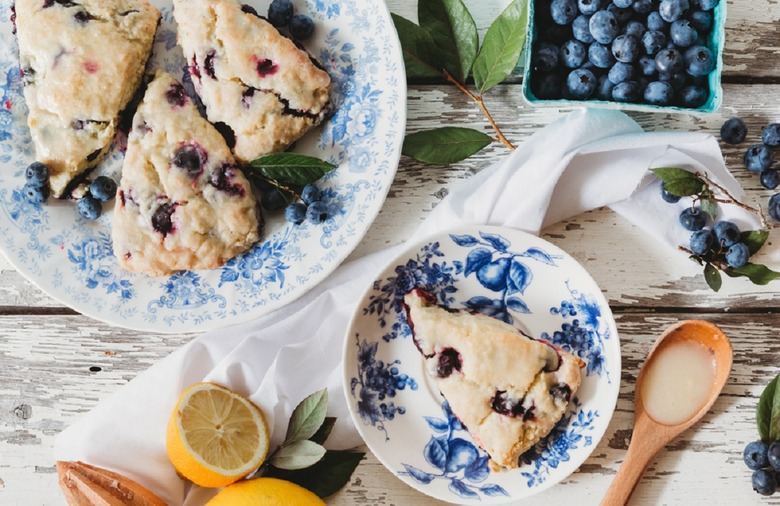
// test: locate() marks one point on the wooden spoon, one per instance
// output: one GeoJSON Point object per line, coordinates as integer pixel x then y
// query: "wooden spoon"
{"type": "Point", "coordinates": [649, 436]}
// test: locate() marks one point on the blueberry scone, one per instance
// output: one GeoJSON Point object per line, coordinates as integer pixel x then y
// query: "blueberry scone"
{"type": "Point", "coordinates": [258, 88]}
{"type": "Point", "coordinates": [183, 202]}
{"type": "Point", "coordinates": [81, 63]}
{"type": "Point", "coordinates": [508, 389]}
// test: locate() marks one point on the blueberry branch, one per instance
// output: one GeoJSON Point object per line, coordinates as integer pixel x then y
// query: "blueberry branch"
{"type": "Point", "coordinates": [730, 199]}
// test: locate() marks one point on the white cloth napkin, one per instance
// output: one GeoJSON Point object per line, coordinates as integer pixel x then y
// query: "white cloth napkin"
{"type": "Point", "coordinates": [587, 159]}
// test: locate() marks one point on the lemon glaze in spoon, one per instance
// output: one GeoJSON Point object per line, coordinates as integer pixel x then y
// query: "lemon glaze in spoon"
{"type": "Point", "coordinates": [682, 377]}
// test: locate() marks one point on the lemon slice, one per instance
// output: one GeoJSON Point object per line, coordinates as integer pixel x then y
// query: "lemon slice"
{"type": "Point", "coordinates": [266, 492]}
{"type": "Point", "coordinates": [215, 436]}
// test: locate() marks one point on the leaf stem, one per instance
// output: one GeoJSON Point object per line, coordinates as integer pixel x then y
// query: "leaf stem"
{"type": "Point", "coordinates": [478, 99]}
{"type": "Point", "coordinates": [730, 199]}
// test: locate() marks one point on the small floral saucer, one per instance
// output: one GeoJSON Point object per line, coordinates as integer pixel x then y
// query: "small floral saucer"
{"type": "Point", "coordinates": [510, 275]}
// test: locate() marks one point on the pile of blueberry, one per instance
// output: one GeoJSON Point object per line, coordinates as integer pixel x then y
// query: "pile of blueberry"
{"type": "Point", "coordinates": [758, 158]}
{"type": "Point", "coordinates": [36, 190]}
{"type": "Point", "coordinates": [764, 460]}
{"type": "Point", "coordinates": [280, 14]}
{"type": "Point", "coordinates": [630, 51]}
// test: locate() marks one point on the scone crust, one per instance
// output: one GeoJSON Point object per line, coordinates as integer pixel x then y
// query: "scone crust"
{"type": "Point", "coordinates": [82, 63]}
{"type": "Point", "coordinates": [495, 359]}
{"type": "Point", "coordinates": [168, 217]}
{"type": "Point", "coordinates": [267, 91]}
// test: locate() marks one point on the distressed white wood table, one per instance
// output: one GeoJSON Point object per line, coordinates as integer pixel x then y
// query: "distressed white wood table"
{"type": "Point", "coordinates": [56, 364]}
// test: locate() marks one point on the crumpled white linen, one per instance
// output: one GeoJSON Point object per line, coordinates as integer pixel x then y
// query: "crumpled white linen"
{"type": "Point", "coordinates": [587, 159]}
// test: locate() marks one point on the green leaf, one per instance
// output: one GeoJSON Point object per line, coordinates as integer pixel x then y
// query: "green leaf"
{"type": "Point", "coordinates": [298, 455]}
{"type": "Point", "coordinates": [290, 168]}
{"type": "Point", "coordinates": [307, 417]}
{"type": "Point", "coordinates": [502, 46]}
{"type": "Point", "coordinates": [709, 208]}
{"type": "Point", "coordinates": [454, 33]}
{"type": "Point", "coordinates": [327, 476]}
{"type": "Point", "coordinates": [712, 277]}
{"type": "Point", "coordinates": [679, 182]}
{"type": "Point", "coordinates": [421, 56]}
{"type": "Point", "coordinates": [324, 431]}
{"type": "Point", "coordinates": [774, 421]}
{"type": "Point", "coordinates": [445, 145]}
{"type": "Point", "coordinates": [754, 239]}
{"type": "Point", "coordinates": [764, 410]}
{"type": "Point", "coordinates": [757, 273]}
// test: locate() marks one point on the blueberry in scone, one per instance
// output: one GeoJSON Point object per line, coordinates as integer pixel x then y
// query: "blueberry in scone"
{"type": "Point", "coordinates": [81, 63]}
{"type": "Point", "coordinates": [507, 389]}
{"type": "Point", "coordinates": [259, 88]}
{"type": "Point", "coordinates": [182, 202]}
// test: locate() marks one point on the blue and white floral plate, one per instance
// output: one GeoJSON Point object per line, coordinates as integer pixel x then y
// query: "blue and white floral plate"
{"type": "Point", "coordinates": [511, 275]}
{"type": "Point", "coordinates": [71, 259]}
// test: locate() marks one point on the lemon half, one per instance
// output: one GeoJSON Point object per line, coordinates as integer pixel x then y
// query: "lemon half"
{"type": "Point", "coordinates": [215, 436]}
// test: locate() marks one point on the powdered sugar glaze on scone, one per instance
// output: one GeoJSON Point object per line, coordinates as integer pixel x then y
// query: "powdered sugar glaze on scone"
{"type": "Point", "coordinates": [183, 202]}
{"type": "Point", "coordinates": [261, 90]}
{"type": "Point", "coordinates": [81, 63]}
{"type": "Point", "coordinates": [508, 390]}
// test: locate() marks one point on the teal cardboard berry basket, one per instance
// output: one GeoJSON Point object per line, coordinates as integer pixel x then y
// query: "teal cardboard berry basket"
{"type": "Point", "coordinates": [715, 41]}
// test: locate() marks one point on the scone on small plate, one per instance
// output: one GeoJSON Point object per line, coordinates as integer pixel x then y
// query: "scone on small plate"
{"type": "Point", "coordinates": [81, 64]}
{"type": "Point", "coordinates": [507, 389]}
{"type": "Point", "coordinates": [261, 91]}
{"type": "Point", "coordinates": [182, 202]}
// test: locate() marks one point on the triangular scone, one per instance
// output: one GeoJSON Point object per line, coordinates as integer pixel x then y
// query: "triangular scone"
{"type": "Point", "coordinates": [508, 390]}
{"type": "Point", "coordinates": [183, 202]}
{"type": "Point", "coordinates": [81, 63]}
{"type": "Point", "coordinates": [260, 90]}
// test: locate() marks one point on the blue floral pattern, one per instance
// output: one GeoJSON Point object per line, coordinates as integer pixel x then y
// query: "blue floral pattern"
{"type": "Point", "coordinates": [72, 259]}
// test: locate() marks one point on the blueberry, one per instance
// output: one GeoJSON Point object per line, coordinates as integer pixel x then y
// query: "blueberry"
{"type": "Point", "coordinates": [659, 93]}
{"type": "Point", "coordinates": [656, 23]}
{"type": "Point", "coordinates": [449, 360]}
{"type": "Point", "coordinates": [770, 179]}
{"type": "Point", "coordinates": [273, 200]}
{"type": "Point", "coordinates": [726, 232]}
{"type": "Point", "coordinates": [635, 28]}
{"type": "Point", "coordinates": [37, 174]}
{"type": "Point", "coordinates": [702, 241]}
{"type": "Point", "coordinates": [581, 84]}
{"type": "Point", "coordinates": [758, 158]}
{"type": "Point", "coordinates": [317, 212]}
{"type": "Point", "coordinates": [623, 4]}
{"type": "Point", "coordinates": [653, 41]}
{"type": "Point", "coordinates": [668, 197]}
{"type": "Point", "coordinates": [600, 55]}
{"type": "Point", "coordinates": [103, 188]}
{"type": "Point", "coordinates": [774, 206]}
{"type": "Point", "coordinates": [573, 54]}
{"type": "Point", "coordinates": [644, 7]}
{"type": "Point", "coordinates": [604, 27]}
{"type": "Point", "coordinates": [625, 48]}
{"type": "Point", "coordinates": [295, 213]}
{"type": "Point", "coordinates": [547, 85]}
{"type": "Point", "coordinates": [733, 131]}
{"type": "Point", "coordinates": [505, 405]}
{"type": "Point", "coordinates": [301, 27]}
{"type": "Point", "coordinates": [627, 91]}
{"type": "Point", "coordinates": [310, 194]}
{"type": "Point", "coordinates": [622, 15]}
{"type": "Point", "coordinates": [771, 135]}
{"type": "Point", "coordinates": [691, 218]}
{"type": "Point", "coordinates": [773, 455]}
{"type": "Point", "coordinates": [669, 61]}
{"type": "Point", "coordinates": [604, 88]}
{"type": "Point", "coordinates": [737, 255]}
{"type": "Point", "coordinates": [646, 66]}
{"type": "Point", "coordinates": [563, 11]}
{"type": "Point", "coordinates": [589, 7]}
{"type": "Point", "coordinates": [764, 482]}
{"type": "Point", "coordinates": [89, 207]}
{"type": "Point", "coordinates": [35, 194]}
{"type": "Point", "coordinates": [580, 28]}
{"type": "Point", "coordinates": [280, 12]}
{"type": "Point", "coordinates": [682, 33]}
{"type": "Point", "coordinates": [678, 80]}
{"type": "Point", "coordinates": [621, 72]}
{"type": "Point", "coordinates": [755, 455]}
{"type": "Point", "coordinates": [162, 218]}
{"type": "Point", "coordinates": [701, 21]}
{"type": "Point", "coordinates": [699, 61]}
{"type": "Point", "coordinates": [545, 57]}
{"type": "Point", "coordinates": [707, 5]}
{"type": "Point", "coordinates": [672, 10]}
{"type": "Point", "coordinates": [693, 96]}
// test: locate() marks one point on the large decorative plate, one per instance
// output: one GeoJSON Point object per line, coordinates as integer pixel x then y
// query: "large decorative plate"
{"type": "Point", "coordinates": [71, 259]}
{"type": "Point", "coordinates": [507, 274]}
